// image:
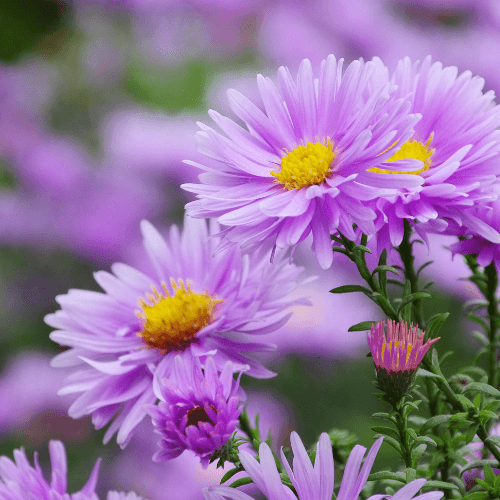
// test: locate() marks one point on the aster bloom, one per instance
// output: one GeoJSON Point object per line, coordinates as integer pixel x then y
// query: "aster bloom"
{"type": "Point", "coordinates": [191, 302]}
{"type": "Point", "coordinates": [198, 410]}
{"type": "Point", "coordinates": [20, 481]}
{"type": "Point", "coordinates": [292, 171]}
{"type": "Point", "coordinates": [474, 244]}
{"type": "Point", "coordinates": [312, 481]}
{"type": "Point", "coordinates": [456, 143]}
{"type": "Point", "coordinates": [397, 351]}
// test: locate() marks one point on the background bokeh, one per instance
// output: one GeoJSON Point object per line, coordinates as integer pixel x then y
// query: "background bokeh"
{"type": "Point", "coordinates": [98, 107]}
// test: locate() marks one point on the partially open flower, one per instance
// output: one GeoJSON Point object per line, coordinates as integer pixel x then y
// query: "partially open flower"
{"type": "Point", "coordinates": [198, 410]}
{"type": "Point", "coordinates": [397, 351]}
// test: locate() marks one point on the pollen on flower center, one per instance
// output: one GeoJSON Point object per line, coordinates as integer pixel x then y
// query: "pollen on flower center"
{"type": "Point", "coordinates": [305, 165]}
{"type": "Point", "coordinates": [413, 149]}
{"type": "Point", "coordinates": [172, 321]}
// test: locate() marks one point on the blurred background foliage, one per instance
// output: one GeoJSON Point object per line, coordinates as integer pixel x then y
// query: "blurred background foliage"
{"type": "Point", "coordinates": [98, 104]}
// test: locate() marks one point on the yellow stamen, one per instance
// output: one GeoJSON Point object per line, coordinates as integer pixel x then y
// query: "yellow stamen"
{"type": "Point", "coordinates": [172, 321]}
{"type": "Point", "coordinates": [306, 165]}
{"type": "Point", "coordinates": [408, 346]}
{"type": "Point", "coordinates": [410, 149]}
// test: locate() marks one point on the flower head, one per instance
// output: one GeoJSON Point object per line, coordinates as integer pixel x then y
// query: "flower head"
{"type": "Point", "coordinates": [455, 145]}
{"type": "Point", "coordinates": [20, 481]}
{"type": "Point", "coordinates": [312, 481]}
{"type": "Point", "coordinates": [292, 172]}
{"type": "Point", "coordinates": [194, 302]}
{"type": "Point", "coordinates": [198, 410]}
{"type": "Point", "coordinates": [397, 353]}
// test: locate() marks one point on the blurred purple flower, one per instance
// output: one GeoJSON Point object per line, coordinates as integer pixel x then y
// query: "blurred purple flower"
{"type": "Point", "coordinates": [198, 410]}
{"type": "Point", "coordinates": [20, 481]}
{"type": "Point", "coordinates": [272, 182]}
{"type": "Point", "coordinates": [206, 305]}
{"type": "Point", "coordinates": [29, 404]}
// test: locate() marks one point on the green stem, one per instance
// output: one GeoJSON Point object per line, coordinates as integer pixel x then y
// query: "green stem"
{"type": "Point", "coordinates": [402, 426]}
{"type": "Point", "coordinates": [406, 252]}
{"type": "Point", "coordinates": [253, 434]}
{"type": "Point", "coordinates": [492, 284]}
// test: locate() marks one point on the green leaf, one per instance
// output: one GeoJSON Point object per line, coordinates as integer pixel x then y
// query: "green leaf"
{"type": "Point", "coordinates": [477, 495]}
{"type": "Point", "coordinates": [386, 269]}
{"type": "Point", "coordinates": [362, 326]}
{"type": "Point", "coordinates": [411, 474]}
{"type": "Point", "coordinates": [494, 440]}
{"type": "Point", "coordinates": [425, 439]}
{"type": "Point", "coordinates": [477, 400]}
{"type": "Point", "coordinates": [484, 388]}
{"type": "Point", "coordinates": [406, 310]}
{"type": "Point", "coordinates": [389, 440]}
{"type": "Point", "coordinates": [362, 248]}
{"type": "Point", "coordinates": [424, 373]}
{"type": "Point", "coordinates": [240, 482]}
{"type": "Point", "coordinates": [422, 267]}
{"type": "Point", "coordinates": [417, 453]}
{"type": "Point", "coordinates": [350, 289]}
{"type": "Point", "coordinates": [489, 475]}
{"type": "Point", "coordinates": [440, 484]}
{"type": "Point", "coordinates": [412, 297]}
{"type": "Point", "coordinates": [229, 474]}
{"type": "Point", "coordinates": [435, 324]}
{"type": "Point", "coordinates": [471, 433]}
{"type": "Point", "coordinates": [478, 464]}
{"type": "Point", "coordinates": [487, 415]}
{"type": "Point", "coordinates": [386, 431]}
{"type": "Point", "coordinates": [492, 405]}
{"type": "Point", "coordinates": [385, 475]}
{"type": "Point", "coordinates": [480, 337]}
{"type": "Point", "coordinates": [465, 401]}
{"type": "Point", "coordinates": [479, 321]}
{"type": "Point", "coordinates": [433, 421]}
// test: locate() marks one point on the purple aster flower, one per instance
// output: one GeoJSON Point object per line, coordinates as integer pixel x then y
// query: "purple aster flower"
{"type": "Point", "coordinates": [20, 481]}
{"type": "Point", "coordinates": [486, 250]}
{"type": "Point", "coordinates": [293, 171]}
{"type": "Point", "coordinates": [397, 351]}
{"type": "Point", "coordinates": [206, 305]}
{"type": "Point", "coordinates": [115, 495]}
{"type": "Point", "coordinates": [198, 410]}
{"type": "Point", "coordinates": [312, 481]}
{"type": "Point", "coordinates": [456, 143]}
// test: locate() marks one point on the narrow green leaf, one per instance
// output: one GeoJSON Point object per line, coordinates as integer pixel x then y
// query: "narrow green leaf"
{"type": "Point", "coordinates": [480, 337]}
{"type": "Point", "coordinates": [479, 464]}
{"type": "Point", "coordinates": [423, 266]}
{"type": "Point", "coordinates": [489, 475]}
{"type": "Point", "coordinates": [350, 289]}
{"type": "Point", "coordinates": [494, 440]}
{"type": "Point", "coordinates": [386, 431]}
{"type": "Point", "coordinates": [484, 388]}
{"type": "Point", "coordinates": [412, 297]}
{"type": "Point", "coordinates": [387, 269]}
{"type": "Point", "coordinates": [229, 474]}
{"type": "Point", "coordinates": [435, 324]}
{"type": "Point", "coordinates": [424, 373]}
{"type": "Point", "coordinates": [384, 475]}
{"type": "Point", "coordinates": [361, 327]}
{"type": "Point", "coordinates": [362, 248]}
{"type": "Point", "coordinates": [240, 482]}
{"type": "Point", "coordinates": [477, 400]}
{"type": "Point", "coordinates": [440, 484]}
{"type": "Point", "coordinates": [477, 495]}
{"type": "Point", "coordinates": [425, 439]}
{"type": "Point", "coordinates": [433, 421]}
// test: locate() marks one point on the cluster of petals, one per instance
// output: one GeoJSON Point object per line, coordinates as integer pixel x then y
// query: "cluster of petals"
{"type": "Point", "coordinates": [400, 348]}
{"type": "Point", "coordinates": [460, 125]}
{"type": "Point", "coordinates": [112, 366]}
{"type": "Point", "coordinates": [368, 118]}
{"type": "Point", "coordinates": [198, 409]}
{"type": "Point", "coordinates": [356, 114]}
{"type": "Point", "coordinates": [19, 480]}
{"type": "Point", "coordinates": [313, 481]}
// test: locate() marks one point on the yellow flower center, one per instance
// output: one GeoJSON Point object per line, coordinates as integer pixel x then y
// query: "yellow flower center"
{"type": "Point", "coordinates": [306, 165]}
{"type": "Point", "coordinates": [389, 346]}
{"type": "Point", "coordinates": [172, 321]}
{"type": "Point", "coordinates": [410, 149]}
